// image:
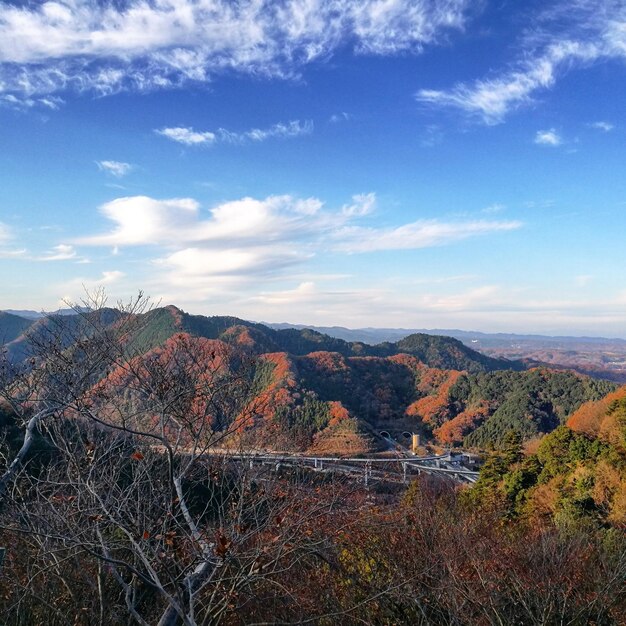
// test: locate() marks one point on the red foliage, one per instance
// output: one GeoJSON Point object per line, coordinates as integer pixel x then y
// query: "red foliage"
{"type": "Point", "coordinates": [432, 408]}
{"type": "Point", "coordinates": [455, 429]}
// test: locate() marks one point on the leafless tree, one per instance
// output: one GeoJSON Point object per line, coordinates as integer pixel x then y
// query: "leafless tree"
{"type": "Point", "coordinates": [128, 503]}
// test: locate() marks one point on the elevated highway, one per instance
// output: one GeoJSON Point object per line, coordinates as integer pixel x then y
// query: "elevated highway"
{"type": "Point", "coordinates": [394, 469]}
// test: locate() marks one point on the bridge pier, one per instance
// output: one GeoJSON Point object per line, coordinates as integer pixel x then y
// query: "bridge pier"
{"type": "Point", "coordinates": [368, 473]}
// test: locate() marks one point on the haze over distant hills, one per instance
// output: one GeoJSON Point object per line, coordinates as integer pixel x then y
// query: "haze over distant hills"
{"type": "Point", "coordinates": [599, 356]}
{"type": "Point", "coordinates": [378, 335]}
{"type": "Point", "coordinates": [35, 315]}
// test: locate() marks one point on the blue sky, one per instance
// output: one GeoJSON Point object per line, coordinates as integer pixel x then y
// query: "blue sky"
{"type": "Point", "coordinates": [430, 164]}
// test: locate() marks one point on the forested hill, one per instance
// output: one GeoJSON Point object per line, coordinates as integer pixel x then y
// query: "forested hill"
{"type": "Point", "coordinates": [313, 391]}
{"type": "Point", "coordinates": [159, 324]}
{"type": "Point", "coordinates": [432, 350]}
{"type": "Point", "coordinates": [575, 473]}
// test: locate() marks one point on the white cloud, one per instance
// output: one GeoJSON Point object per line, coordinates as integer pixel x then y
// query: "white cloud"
{"type": "Point", "coordinates": [118, 169]}
{"type": "Point", "coordinates": [62, 252]}
{"type": "Point", "coordinates": [420, 234]}
{"type": "Point", "coordinates": [362, 204]}
{"type": "Point", "coordinates": [187, 136]}
{"type": "Point", "coordinates": [236, 243]}
{"type": "Point", "coordinates": [13, 254]}
{"type": "Point", "coordinates": [566, 35]}
{"type": "Point", "coordinates": [548, 138]}
{"type": "Point", "coordinates": [143, 220]}
{"type": "Point", "coordinates": [85, 44]}
{"type": "Point", "coordinates": [24, 102]}
{"type": "Point", "coordinates": [109, 277]}
{"type": "Point", "coordinates": [487, 307]}
{"type": "Point", "coordinates": [290, 129]}
{"type": "Point", "coordinates": [190, 137]}
{"type": "Point", "coordinates": [605, 126]}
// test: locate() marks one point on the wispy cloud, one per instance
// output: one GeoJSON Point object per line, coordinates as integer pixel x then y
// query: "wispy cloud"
{"type": "Point", "coordinates": [24, 102]}
{"type": "Point", "coordinates": [106, 47]}
{"type": "Point", "coordinates": [493, 208]}
{"type": "Point", "coordinates": [420, 234]}
{"type": "Point", "coordinates": [548, 138]}
{"type": "Point", "coordinates": [432, 136]}
{"type": "Point", "coordinates": [282, 130]}
{"type": "Point", "coordinates": [336, 118]}
{"type": "Point", "coordinates": [564, 36]}
{"type": "Point", "coordinates": [6, 236]}
{"type": "Point", "coordinates": [605, 126]}
{"type": "Point", "coordinates": [62, 252]}
{"type": "Point", "coordinates": [119, 169]}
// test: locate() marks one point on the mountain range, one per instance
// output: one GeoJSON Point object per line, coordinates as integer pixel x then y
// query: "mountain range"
{"type": "Point", "coordinates": [313, 391]}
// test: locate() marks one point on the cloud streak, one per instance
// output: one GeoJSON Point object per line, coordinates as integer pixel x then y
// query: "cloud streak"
{"type": "Point", "coordinates": [106, 47]}
{"type": "Point", "coordinates": [190, 137]}
{"type": "Point", "coordinates": [565, 36]}
{"type": "Point", "coordinates": [604, 126]}
{"type": "Point", "coordinates": [420, 234]}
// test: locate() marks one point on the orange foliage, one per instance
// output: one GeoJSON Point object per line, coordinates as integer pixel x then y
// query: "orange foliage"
{"type": "Point", "coordinates": [332, 361]}
{"type": "Point", "coordinates": [431, 408]}
{"type": "Point", "coordinates": [592, 418]}
{"type": "Point", "coordinates": [178, 374]}
{"type": "Point", "coordinates": [338, 413]}
{"type": "Point", "coordinates": [407, 360]}
{"type": "Point", "coordinates": [455, 429]}
{"type": "Point", "coordinates": [279, 391]}
{"type": "Point", "coordinates": [241, 335]}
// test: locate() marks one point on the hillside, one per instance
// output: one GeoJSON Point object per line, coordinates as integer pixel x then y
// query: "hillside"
{"type": "Point", "coordinates": [12, 326]}
{"type": "Point", "coordinates": [597, 356]}
{"type": "Point", "coordinates": [577, 472]}
{"type": "Point", "coordinates": [60, 331]}
{"type": "Point", "coordinates": [307, 390]}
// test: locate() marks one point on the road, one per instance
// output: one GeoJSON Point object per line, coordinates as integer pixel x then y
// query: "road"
{"type": "Point", "coordinates": [399, 469]}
